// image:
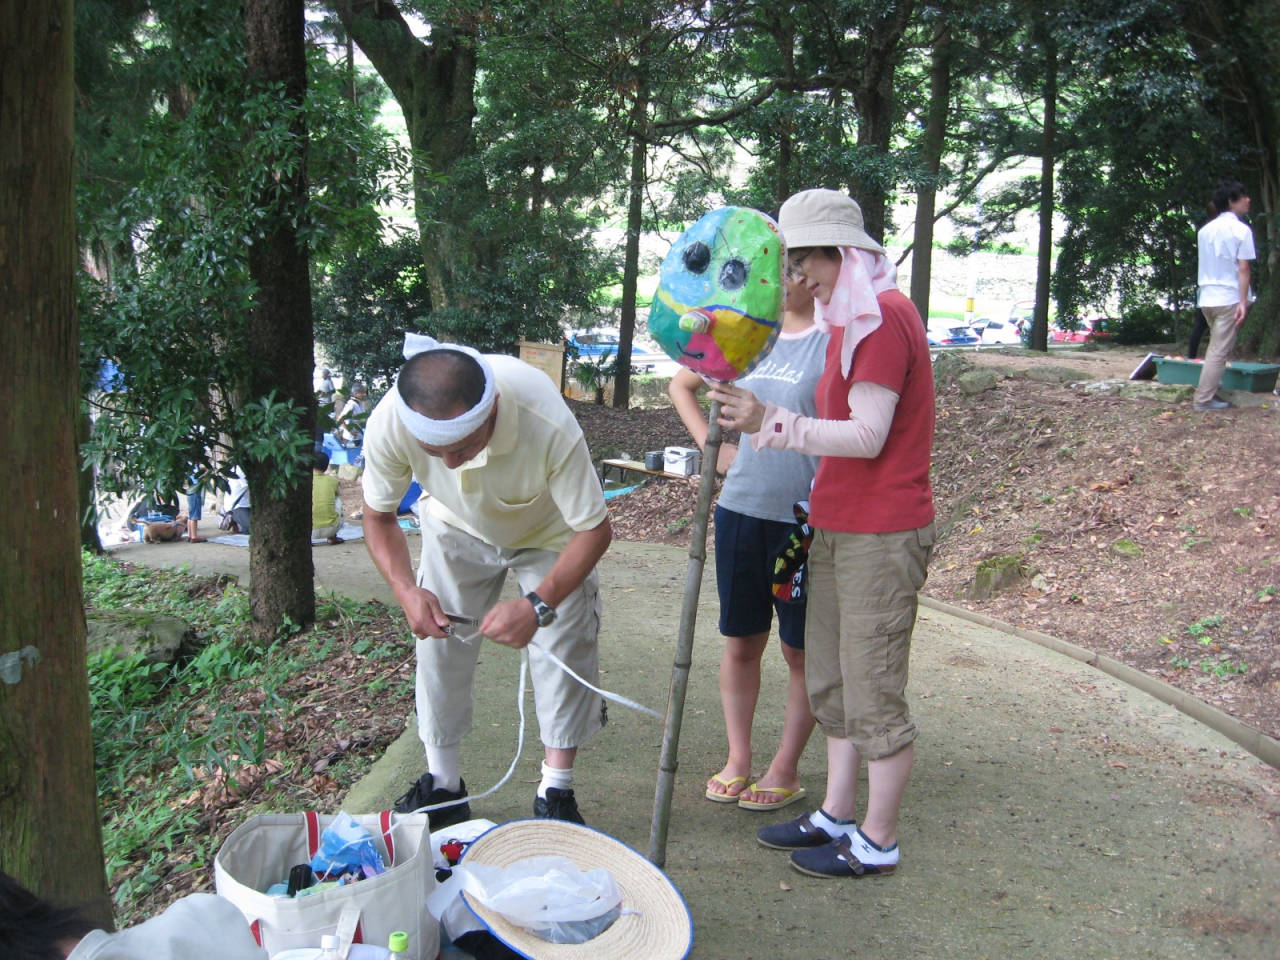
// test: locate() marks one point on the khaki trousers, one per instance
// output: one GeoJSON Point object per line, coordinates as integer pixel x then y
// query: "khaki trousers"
{"type": "Point", "coordinates": [1222, 332]}
{"type": "Point", "coordinates": [467, 574]}
{"type": "Point", "coordinates": [862, 610]}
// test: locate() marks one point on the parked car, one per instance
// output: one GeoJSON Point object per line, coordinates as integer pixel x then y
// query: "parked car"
{"type": "Point", "coordinates": [997, 331]}
{"type": "Point", "coordinates": [597, 342]}
{"type": "Point", "coordinates": [1059, 335]}
{"type": "Point", "coordinates": [945, 332]}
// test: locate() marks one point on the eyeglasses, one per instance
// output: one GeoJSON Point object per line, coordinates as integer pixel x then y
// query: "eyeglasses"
{"type": "Point", "coordinates": [795, 269]}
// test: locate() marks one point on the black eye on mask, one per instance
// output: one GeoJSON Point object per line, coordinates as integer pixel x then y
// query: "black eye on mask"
{"type": "Point", "coordinates": [733, 275]}
{"type": "Point", "coordinates": [697, 257]}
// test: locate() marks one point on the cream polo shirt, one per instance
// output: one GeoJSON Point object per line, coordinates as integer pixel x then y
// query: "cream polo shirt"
{"type": "Point", "coordinates": [1223, 242]}
{"type": "Point", "coordinates": [533, 485]}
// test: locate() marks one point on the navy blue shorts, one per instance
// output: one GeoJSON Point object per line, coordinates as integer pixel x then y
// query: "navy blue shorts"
{"type": "Point", "coordinates": [746, 549]}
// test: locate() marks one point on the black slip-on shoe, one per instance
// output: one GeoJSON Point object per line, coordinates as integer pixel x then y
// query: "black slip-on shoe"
{"type": "Point", "coordinates": [796, 834]}
{"type": "Point", "coordinates": [837, 860]}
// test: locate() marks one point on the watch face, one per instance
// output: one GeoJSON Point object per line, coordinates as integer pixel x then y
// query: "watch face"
{"type": "Point", "coordinates": [544, 614]}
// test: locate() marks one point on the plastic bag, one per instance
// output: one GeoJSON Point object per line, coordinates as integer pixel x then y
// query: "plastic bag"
{"type": "Point", "coordinates": [548, 896]}
{"type": "Point", "coordinates": [346, 847]}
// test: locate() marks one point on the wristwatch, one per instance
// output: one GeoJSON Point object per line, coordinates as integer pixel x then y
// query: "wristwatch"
{"type": "Point", "coordinates": [546, 615]}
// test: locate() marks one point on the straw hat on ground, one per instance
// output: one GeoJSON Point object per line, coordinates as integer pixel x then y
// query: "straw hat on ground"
{"type": "Point", "coordinates": [662, 930]}
{"type": "Point", "coordinates": [824, 218]}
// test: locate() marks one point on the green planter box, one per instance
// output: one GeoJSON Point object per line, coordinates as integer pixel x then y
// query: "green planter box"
{"type": "Point", "coordinates": [1178, 371]}
{"type": "Point", "coordinates": [1249, 377]}
{"type": "Point", "coordinates": [1252, 377]}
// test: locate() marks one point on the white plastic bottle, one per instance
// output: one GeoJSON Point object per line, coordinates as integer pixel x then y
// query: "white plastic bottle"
{"type": "Point", "coordinates": [329, 947]}
{"type": "Point", "coordinates": [399, 946]}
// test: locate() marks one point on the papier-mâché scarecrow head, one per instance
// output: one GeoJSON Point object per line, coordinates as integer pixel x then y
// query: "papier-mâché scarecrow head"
{"type": "Point", "coordinates": [720, 294]}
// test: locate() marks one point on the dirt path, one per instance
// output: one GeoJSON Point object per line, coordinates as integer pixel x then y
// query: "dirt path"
{"type": "Point", "coordinates": [1053, 813]}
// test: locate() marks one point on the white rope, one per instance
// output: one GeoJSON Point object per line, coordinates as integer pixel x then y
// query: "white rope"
{"type": "Point", "coordinates": [524, 671]}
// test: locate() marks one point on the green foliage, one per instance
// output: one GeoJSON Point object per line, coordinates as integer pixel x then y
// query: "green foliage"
{"type": "Point", "coordinates": [170, 304]}
{"type": "Point", "coordinates": [365, 302]}
{"type": "Point", "coordinates": [593, 373]}
{"type": "Point", "coordinates": [1142, 324]}
{"type": "Point", "coordinates": [158, 730]}
{"type": "Point", "coordinates": [1201, 628]}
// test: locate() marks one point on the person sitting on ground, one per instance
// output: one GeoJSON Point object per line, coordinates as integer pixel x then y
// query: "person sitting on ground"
{"type": "Point", "coordinates": [35, 929]}
{"type": "Point", "coordinates": [153, 509]}
{"type": "Point", "coordinates": [754, 520]}
{"type": "Point", "coordinates": [326, 505]}
{"type": "Point", "coordinates": [237, 500]}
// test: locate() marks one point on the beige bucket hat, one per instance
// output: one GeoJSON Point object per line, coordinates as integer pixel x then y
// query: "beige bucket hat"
{"type": "Point", "coordinates": [824, 218]}
{"type": "Point", "coordinates": [662, 929]}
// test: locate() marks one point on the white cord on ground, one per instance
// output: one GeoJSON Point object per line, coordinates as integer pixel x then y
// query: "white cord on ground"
{"type": "Point", "coordinates": [524, 671]}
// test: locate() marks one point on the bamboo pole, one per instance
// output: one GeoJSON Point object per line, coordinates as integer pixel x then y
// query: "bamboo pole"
{"type": "Point", "coordinates": [684, 642]}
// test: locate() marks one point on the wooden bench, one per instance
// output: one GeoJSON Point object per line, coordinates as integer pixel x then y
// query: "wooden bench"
{"type": "Point", "coordinates": [636, 466]}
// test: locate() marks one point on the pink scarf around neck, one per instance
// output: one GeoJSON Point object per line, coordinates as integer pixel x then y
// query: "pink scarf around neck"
{"type": "Point", "coordinates": [863, 275]}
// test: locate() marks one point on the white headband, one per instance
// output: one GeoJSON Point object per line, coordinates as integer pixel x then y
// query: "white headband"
{"type": "Point", "coordinates": [442, 433]}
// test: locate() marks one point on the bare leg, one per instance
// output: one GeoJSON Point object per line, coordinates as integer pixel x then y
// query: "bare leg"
{"type": "Point", "coordinates": [739, 691]}
{"type": "Point", "coordinates": [561, 758]}
{"type": "Point", "coordinates": [886, 783]}
{"type": "Point", "coordinates": [797, 725]}
{"type": "Point", "coordinates": [843, 761]}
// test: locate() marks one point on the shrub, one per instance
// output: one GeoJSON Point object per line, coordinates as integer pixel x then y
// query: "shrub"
{"type": "Point", "coordinates": [1145, 323]}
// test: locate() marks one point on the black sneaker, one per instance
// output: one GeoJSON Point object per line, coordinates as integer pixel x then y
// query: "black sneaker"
{"type": "Point", "coordinates": [422, 794]}
{"type": "Point", "coordinates": [559, 805]}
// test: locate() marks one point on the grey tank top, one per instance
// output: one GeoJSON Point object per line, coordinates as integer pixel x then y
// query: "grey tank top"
{"type": "Point", "coordinates": [765, 483]}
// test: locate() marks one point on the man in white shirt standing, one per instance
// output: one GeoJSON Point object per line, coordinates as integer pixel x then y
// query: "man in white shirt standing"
{"type": "Point", "coordinates": [1226, 247]}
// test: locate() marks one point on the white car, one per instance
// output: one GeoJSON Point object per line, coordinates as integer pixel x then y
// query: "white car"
{"type": "Point", "coordinates": [997, 331]}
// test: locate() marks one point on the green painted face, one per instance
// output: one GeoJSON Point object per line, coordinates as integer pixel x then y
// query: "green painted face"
{"type": "Point", "coordinates": [720, 293]}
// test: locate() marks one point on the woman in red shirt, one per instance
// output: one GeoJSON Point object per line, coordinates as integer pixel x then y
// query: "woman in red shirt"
{"type": "Point", "coordinates": [872, 514]}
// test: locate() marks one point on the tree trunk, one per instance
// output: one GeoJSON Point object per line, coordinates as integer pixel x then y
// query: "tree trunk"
{"type": "Point", "coordinates": [434, 83]}
{"type": "Point", "coordinates": [876, 102]}
{"type": "Point", "coordinates": [785, 35]}
{"type": "Point", "coordinates": [280, 337]}
{"type": "Point", "coordinates": [50, 832]}
{"type": "Point", "coordinates": [1044, 252]}
{"type": "Point", "coordinates": [631, 254]}
{"type": "Point", "coordinates": [935, 132]}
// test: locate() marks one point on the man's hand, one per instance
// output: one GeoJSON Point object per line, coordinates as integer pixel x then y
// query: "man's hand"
{"type": "Point", "coordinates": [511, 623]}
{"type": "Point", "coordinates": [422, 610]}
{"type": "Point", "coordinates": [1242, 311]}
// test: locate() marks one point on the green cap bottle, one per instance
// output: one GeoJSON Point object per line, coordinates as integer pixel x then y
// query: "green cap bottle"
{"type": "Point", "coordinates": [398, 944]}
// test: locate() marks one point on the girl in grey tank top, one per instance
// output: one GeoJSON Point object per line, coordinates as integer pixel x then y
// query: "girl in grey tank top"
{"type": "Point", "coordinates": [755, 508]}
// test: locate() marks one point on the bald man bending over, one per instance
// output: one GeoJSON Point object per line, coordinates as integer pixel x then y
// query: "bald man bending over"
{"type": "Point", "coordinates": [508, 485]}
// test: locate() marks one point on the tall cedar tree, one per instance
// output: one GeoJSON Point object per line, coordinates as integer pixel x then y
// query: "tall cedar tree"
{"type": "Point", "coordinates": [50, 834]}
{"type": "Point", "coordinates": [279, 333]}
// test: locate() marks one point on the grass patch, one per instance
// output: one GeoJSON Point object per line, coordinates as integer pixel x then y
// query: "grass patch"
{"type": "Point", "coordinates": [186, 752]}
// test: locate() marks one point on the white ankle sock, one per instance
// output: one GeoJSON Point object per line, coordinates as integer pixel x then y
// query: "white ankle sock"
{"type": "Point", "coordinates": [834, 828]}
{"type": "Point", "coordinates": [551, 777]}
{"type": "Point", "coordinates": [445, 764]}
{"type": "Point", "coordinates": [870, 852]}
